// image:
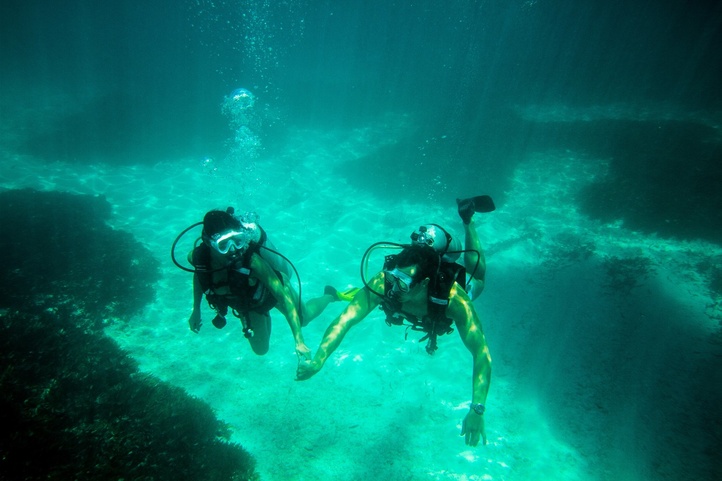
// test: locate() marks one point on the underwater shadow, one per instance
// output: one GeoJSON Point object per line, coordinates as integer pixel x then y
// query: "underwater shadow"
{"type": "Point", "coordinates": [426, 166]}
{"type": "Point", "coordinates": [121, 128]}
{"type": "Point", "coordinates": [616, 362]}
{"type": "Point", "coordinates": [665, 176]}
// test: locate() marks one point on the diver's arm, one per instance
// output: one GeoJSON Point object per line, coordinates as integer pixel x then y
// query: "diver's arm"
{"type": "Point", "coordinates": [360, 306]}
{"type": "Point", "coordinates": [194, 322]}
{"type": "Point", "coordinates": [268, 277]}
{"type": "Point", "coordinates": [468, 324]}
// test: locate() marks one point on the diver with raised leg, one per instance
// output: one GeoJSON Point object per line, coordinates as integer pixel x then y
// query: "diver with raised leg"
{"type": "Point", "coordinates": [449, 246]}
{"type": "Point", "coordinates": [474, 260]}
{"type": "Point", "coordinates": [424, 288]}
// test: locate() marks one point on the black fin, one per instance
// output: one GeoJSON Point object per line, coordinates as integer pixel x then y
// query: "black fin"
{"type": "Point", "coordinates": [483, 204]}
{"type": "Point", "coordinates": [467, 207]}
{"type": "Point", "coordinates": [331, 291]}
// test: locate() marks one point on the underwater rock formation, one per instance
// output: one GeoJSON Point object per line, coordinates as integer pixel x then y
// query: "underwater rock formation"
{"type": "Point", "coordinates": [72, 403]}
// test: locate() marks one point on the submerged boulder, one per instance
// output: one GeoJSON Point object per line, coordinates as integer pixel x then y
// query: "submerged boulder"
{"type": "Point", "coordinates": [73, 405]}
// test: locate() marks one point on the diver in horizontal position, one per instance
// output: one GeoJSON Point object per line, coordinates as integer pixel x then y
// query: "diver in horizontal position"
{"type": "Point", "coordinates": [425, 287]}
{"type": "Point", "coordinates": [237, 268]}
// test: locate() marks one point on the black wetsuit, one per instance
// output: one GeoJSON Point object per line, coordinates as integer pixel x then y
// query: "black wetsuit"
{"type": "Point", "coordinates": [435, 323]}
{"type": "Point", "coordinates": [243, 296]}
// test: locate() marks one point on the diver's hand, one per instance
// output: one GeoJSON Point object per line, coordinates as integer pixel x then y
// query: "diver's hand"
{"type": "Point", "coordinates": [303, 352]}
{"type": "Point", "coordinates": [472, 428]}
{"type": "Point", "coordinates": [307, 369]}
{"type": "Point", "coordinates": [194, 322]}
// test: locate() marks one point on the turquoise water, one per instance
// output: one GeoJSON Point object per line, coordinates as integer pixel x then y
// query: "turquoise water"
{"type": "Point", "coordinates": [602, 311]}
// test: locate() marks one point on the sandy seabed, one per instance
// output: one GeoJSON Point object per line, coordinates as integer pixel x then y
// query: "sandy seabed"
{"type": "Point", "coordinates": [603, 339]}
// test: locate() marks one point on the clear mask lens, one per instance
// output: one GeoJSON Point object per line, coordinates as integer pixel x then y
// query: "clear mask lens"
{"type": "Point", "coordinates": [400, 280]}
{"type": "Point", "coordinates": [225, 242]}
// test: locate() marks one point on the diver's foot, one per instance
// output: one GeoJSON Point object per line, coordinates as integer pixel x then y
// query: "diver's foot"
{"type": "Point", "coordinates": [346, 295]}
{"type": "Point", "coordinates": [466, 209]}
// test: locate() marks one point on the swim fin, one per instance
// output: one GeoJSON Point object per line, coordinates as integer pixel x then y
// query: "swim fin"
{"type": "Point", "coordinates": [346, 295]}
{"type": "Point", "coordinates": [480, 203]}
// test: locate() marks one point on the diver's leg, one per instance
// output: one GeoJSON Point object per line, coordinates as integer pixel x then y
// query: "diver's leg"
{"type": "Point", "coordinates": [311, 308]}
{"type": "Point", "coordinates": [474, 261]}
{"type": "Point", "coordinates": [315, 306]}
{"type": "Point", "coordinates": [472, 246]}
{"type": "Point", "coordinates": [261, 326]}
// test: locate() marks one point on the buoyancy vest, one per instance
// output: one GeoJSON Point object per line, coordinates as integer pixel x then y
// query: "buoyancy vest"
{"type": "Point", "coordinates": [242, 295]}
{"type": "Point", "coordinates": [435, 323]}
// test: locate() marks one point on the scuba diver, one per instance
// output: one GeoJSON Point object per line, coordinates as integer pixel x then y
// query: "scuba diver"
{"type": "Point", "coordinates": [423, 286]}
{"type": "Point", "coordinates": [237, 268]}
{"type": "Point", "coordinates": [449, 247]}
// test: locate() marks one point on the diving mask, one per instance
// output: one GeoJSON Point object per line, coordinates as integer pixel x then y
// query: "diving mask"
{"type": "Point", "coordinates": [401, 282]}
{"type": "Point", "coordinates": [223, 243]}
